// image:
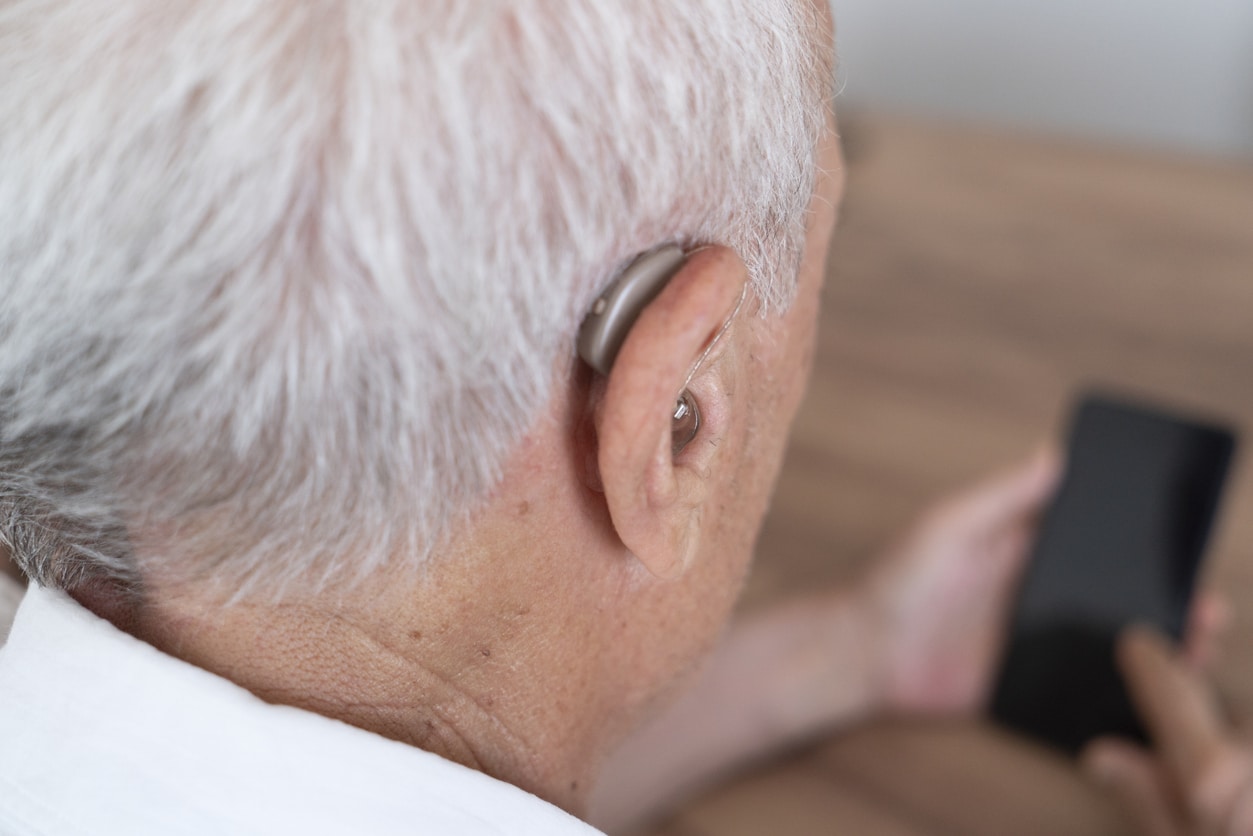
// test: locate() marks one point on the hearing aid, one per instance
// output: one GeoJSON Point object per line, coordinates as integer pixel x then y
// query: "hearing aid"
{"type": "Point", "coordinates": [614, 313]}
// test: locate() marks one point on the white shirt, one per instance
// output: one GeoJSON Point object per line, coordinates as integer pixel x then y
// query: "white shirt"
{"type": "Point", "coordinates": [101, 733]}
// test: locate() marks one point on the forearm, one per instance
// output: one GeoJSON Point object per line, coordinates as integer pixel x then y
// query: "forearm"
{"type": "Point", "coordinates": [778, 677]}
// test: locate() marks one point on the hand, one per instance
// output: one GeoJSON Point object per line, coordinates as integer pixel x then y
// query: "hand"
{"type": "Point", "coordinates": [939, 601]}
{"type": "Point", "coordinates": [1200, 780]}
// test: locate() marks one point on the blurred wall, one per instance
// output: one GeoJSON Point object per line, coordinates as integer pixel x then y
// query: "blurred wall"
{"type": "Point", "coordinates": [1175, 73]}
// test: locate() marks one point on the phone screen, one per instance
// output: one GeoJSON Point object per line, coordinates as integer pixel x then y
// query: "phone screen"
{"type": "Point", "coordinates": [1122, 543]}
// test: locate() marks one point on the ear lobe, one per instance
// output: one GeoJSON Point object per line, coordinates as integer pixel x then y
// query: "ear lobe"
{"type": "Point", "coordinates": [654, 508]}
{"type": "Point", "coordinates": [656, 501]}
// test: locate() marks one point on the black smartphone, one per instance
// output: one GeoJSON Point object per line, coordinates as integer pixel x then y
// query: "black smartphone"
{"type": "Point", "coordinates": [1121, 543]}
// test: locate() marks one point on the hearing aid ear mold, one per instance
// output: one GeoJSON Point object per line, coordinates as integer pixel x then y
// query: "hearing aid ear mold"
{"type": "Point", "coordinates": [686, 424]}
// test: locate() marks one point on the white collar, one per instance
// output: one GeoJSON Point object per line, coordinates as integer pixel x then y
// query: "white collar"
{"type": "Point", "coordinates": [102, 733]}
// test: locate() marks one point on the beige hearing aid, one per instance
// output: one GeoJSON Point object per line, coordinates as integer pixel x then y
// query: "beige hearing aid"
{"type": "Point", "coordinates": [605, 329]}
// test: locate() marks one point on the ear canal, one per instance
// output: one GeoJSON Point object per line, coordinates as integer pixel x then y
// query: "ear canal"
{"type": "Point", "coordinates": [686, 423]}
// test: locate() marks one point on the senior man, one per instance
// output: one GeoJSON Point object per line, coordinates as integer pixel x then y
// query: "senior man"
{"type": "Point", "coordinates": [330, 530]}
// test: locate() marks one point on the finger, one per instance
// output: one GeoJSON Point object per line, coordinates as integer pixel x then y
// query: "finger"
{"type": "Point", "coordinates": [1017, 493]}
{"type": "Point", "coordinates": [1008, 547]}
{"type": "Point", "coordinates": [1175, 706]}
{"type": "Point", "coordinates": [1186, 726]}
{"type": "Point", "coordinates": [1208, 622]}
{"type": "Point", "coordinates": [1241, 823]}
{"type": "Point", "coordinates": [1141, 790]}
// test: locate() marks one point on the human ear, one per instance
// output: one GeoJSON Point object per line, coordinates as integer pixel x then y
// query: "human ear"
{"type": "Point", "coordinates": [655, 497]}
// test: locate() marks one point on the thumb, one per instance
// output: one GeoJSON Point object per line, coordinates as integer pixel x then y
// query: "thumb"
{"type": "Point", "coordinates": [1017, 493]}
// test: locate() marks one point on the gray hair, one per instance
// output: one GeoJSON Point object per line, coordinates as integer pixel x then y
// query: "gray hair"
{"type": "Point", "coordinates": [285, 282]}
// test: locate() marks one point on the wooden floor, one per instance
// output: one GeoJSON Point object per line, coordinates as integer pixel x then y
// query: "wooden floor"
{"type": "Point", "coordinates": [978, 281]}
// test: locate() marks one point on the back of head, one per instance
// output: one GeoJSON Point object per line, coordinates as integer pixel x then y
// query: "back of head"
{"type": "Point", "coordinates": [284, 282]}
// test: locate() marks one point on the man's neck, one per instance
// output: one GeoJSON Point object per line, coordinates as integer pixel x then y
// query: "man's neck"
{"type": "Point", "coordinates": [486, 682]}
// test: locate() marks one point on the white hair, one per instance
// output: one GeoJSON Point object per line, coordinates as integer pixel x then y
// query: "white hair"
{"type": "Point", "coordinates": [286, 282]}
